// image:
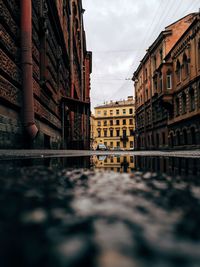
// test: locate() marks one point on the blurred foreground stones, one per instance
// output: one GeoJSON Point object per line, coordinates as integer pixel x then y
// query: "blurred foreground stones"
{"type": "Point", "coordinates": [77, 218]}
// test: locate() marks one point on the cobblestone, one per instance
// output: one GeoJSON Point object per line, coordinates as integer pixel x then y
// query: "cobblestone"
{"type": "Point", "coordinates": [98, 219]}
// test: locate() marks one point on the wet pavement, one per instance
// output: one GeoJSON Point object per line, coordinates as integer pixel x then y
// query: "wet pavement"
{"type": "Point", "coordinates": [78, 212]}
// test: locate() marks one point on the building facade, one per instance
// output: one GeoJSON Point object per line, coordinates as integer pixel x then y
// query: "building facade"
{"type": "Point", "coordinates": [162, 75]}
{"type": "Point", "coordinates": [44, 75]}
{"type": "Point", "coordinates": [114, 125]}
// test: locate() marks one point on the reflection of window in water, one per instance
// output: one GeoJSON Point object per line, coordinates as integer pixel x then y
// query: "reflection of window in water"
{"type": "Point", "coordinates": [118, 169]}
{"type": "Point", "coordinates": [118, 159]}
{"type": "Point", "coordinates": [111, 160]}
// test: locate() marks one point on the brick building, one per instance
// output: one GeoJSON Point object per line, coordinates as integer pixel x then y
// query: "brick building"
{"type": "Point", "coordinates": [44, 75]}
{"type": "Point", "coordinates": [166, 89]}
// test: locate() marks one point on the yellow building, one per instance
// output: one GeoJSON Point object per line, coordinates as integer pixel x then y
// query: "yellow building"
{"type": "Point", "coordinates": [114, 125]}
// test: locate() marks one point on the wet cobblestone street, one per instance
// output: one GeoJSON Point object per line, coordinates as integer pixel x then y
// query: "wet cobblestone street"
{"type": "Point", "coordinates": [64, 217]}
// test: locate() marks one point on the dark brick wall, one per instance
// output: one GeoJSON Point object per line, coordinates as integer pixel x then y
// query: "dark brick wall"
{"type": "Point", "coordinates": [51, 72]}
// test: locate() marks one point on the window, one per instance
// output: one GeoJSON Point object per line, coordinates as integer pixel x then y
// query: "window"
{"type": "Point", "coordinates": [117, 132]}
{"type": "Point", "coordinates": [124, 111]}
{"type": "Point", "coordinates": [99, 133]}
{"type": "Point", "coordinates": [99, 112]}
{"type": "Point", "coordinates": [124, 122]}
{"type": "Point", "coordinates": [146, 74]}
{"type": "Point", "coordinates": [118, 144]}
{"type": "Point", "coordinates": [124, 144]}
{"type": "Point", "coordinates": [146, 94]}
{"type": "Point", "coordinates": [111, 160]}
{"type": "Point", "coordinates": [192, 99]}
{"type": "Point", "coordinates": [99, 123]}
{"type": "Point", "coordinates": [111, 144]}
{"type": "Point", "coordinates": [155, 83]}
{"type": "Point", "coordinates": [130, 121]}
{"type": "Point", "coordinates": [177, 106]}
{"type": "Point", "coordinates": [105, 112]}
{"type": "Point", "coordinates": [163, 138]}
{"type": "Point", "coordinates": [154, 62]}
{"type": "Point", "coordinates": [178, 71]}
{"type": "Point", "coordinates": [183, 103]}
{"type": "Point", "coordinates": [185, 140]}
{"type": "Point", "coordinates": [130, 111]}
{"type": "Point", "coordinates": [118, 159]}
{"type": "Point", "coordinates": [117, 111]}
{"type": "Point", "coordinates": [105, 123]}
{"type": "Point", "coordinates": [185, 66]}
{"type": "Point", "coordinates": [111, 133]}
{"type": "Point", "coordinates": [105, 133]}
{"type": "Point", "coordinates": [124, 132]}
{"type": "Point", "coordinates": [169, 80]}
{"type": "Point", "coordinates": [161, 55]}
{"type": "Point", "coordinates": [117, 122]}
{"type": "Point", "coordinates": [178, 136]}
{"type": "Point", "coordinates": [105, 143]}
{"type": "Point", "coordinates": [111, 122]}
{"type": "Point", "coordinates": [111, 112]}
{"type": "Point", "coordinates": [131, 132]}
{"type": "Point", "coordinates": [161, 81]}
{"type": "Point", "coordinates": [131, 144]}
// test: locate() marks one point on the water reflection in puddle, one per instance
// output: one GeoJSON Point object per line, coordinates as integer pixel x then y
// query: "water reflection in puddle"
{"type": "Point", "coordinates": [100, 219]}
{"type": "Point", "coordinates": [122, 164]}
{"type": "Point", "coordinates": [114, 163]}
{"type": "Point", "coordinates": [169, 165]}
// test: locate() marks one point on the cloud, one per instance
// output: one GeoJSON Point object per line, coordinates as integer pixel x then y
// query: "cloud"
{"type": "Point", "coordinates": [119, 32]}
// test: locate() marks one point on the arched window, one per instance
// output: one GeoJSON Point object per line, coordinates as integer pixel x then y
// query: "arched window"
{"type": "Point", "coordinates": [192, 99]}
{"type": "Point", "coordinates": [178, 71]}
{"type": "Point", "coordinates": [193, 135]}
{"type": "Point", "coordinates": [177, 106]}
{"type": "Point", "coordinates": [178, 138]}
{"type": "Point", "coordinates": [185, 138]}
{"type": "Point", "coordinates": [185, 66]}
{"type": "Point", "coordinates": [184, 103]}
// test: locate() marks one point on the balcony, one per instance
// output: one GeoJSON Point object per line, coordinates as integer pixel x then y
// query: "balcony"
{"type": "Point", "coordinates": [124, 138]}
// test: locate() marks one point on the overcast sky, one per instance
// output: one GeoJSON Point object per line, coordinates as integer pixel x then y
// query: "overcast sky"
{"type": "Point", "coordinates": [118, 33]}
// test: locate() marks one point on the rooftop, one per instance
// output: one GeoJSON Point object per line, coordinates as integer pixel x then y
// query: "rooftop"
{"type": "Point", "coordinates": [127, 102]}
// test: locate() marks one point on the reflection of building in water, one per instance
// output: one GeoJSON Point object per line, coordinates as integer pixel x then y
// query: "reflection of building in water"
{"type": "Point", "coordinates": [113, 125]}
{"type": "Point", "coordinates": [114, 163]}
{"type": "Point", "coordinates": [169, 165]}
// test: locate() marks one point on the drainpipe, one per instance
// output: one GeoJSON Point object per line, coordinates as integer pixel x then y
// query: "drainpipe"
{"type": "Point", "coordinates": [27, 68]}
{"type": "Point", "coordinates": [71, 34]}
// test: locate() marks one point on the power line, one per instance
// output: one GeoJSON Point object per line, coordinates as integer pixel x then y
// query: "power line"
{"type": "Point", "coordinates": [116, 51]}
